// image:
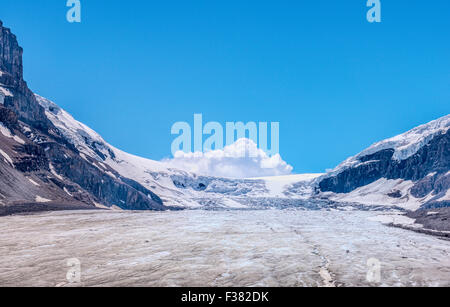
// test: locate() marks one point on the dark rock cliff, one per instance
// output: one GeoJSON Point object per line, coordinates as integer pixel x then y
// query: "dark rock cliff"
{"type": "Point", "coordinates": [23, 103]}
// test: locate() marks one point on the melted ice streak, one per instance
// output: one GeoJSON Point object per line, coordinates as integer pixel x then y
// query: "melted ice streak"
{"type": "Point", "coordinates": [224, 248]}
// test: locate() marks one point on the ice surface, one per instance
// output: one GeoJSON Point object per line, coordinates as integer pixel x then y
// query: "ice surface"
{"type": "Point", "coordinates": [223, 248]}
{"type": "Point", "coordinates": [277, 185]}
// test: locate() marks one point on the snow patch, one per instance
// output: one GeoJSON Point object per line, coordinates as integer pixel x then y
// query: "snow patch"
{"type": "Point", "coordinates": [229, 203]}
{"type": "Point", "coordinates": [80, 135]}
{"type": "Point", "coordinates": [396, 219]}
{"type": "Point", "coordinates": [18, 140]}
{"type": "Point", "coordinates": [110, 174]}
{"type": "Point", "coordinates": [4, 93]}
{"type": "Point", "coordinates": [53, 171]}
{"type": "Point", "coordinates": [67, 192]}
{"type": "Point", "coordinates": [446, 196]}
{"type": "Point", "coordinates": [100, 206]}
{"type": "Point", "coordinates": [40, 199]}
{"type": "Point", "coordinates": [377, 192]}
{"type": "Point", "coordinates": [33, 182]}
{"type": "Point", "coordinates": [7, 158]}
{"type": "Point", "coordinates": [112, 208]}
{"type": "Point", "coordinates": [83, 156]}
{"type": "Point", "coordinates": [5, 131]}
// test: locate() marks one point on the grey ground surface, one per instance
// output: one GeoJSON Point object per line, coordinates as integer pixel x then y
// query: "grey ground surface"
{"type": "Point", "coordinates": [436, 219]}
{"type": "Point", "coordinates": [223, 248]}
{"type": "Point", "coordinates": [27, 208]}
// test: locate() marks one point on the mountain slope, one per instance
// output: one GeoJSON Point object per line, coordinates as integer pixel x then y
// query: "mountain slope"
{"type": "Point", "coordinates": [409, 170]}
{"type": "Point", "coordinates": [38, 165]}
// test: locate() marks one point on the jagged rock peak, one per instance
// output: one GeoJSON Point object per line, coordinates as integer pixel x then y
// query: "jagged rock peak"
{"type": "Point", "coordinates": [10, 53]}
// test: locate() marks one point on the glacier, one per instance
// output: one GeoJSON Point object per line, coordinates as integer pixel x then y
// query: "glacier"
{"type": "Point", "coordinates": [201, 248]}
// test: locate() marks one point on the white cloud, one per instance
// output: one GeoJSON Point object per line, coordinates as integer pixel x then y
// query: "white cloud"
{"type": "Point", "coordinates": [242, 159]}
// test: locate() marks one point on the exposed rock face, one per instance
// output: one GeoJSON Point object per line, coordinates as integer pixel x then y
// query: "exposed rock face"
{"type": "Point", "coordinates": [23, 102]}
{"type": "Point", "coordinates": [10, 54]}
{"type": "Point", "coordinates": [428, 168]}
{"type": "Point", "coordinates": [38, 165]}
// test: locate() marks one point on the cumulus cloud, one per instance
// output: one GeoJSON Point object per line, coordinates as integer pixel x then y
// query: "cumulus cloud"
{"type": "Point", "coordinates": [243, 159]}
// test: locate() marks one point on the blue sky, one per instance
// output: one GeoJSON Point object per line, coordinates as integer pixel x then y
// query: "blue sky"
{"type": "Point", "coordinates": [335, 82]}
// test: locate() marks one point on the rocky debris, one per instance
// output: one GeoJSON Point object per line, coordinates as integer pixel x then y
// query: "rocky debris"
{"type": "Point", "coordinates": [433, 219]}
{"type": "Point", "coordinates": [27, 208]}
{"type": "Point", "coordinates": [395, 194]}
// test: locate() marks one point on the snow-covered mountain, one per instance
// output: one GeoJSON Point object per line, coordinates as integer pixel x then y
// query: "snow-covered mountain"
{"type": "Point", "coordinates": [404, 145]}
{"type": "Point", "coordinates": [410, 170]}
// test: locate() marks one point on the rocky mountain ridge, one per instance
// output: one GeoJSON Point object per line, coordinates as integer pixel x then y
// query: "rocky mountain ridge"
{"type": "Point", "coordinates": [420, 156]}
{"type": "Point", "coordinates": [38, 165]}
